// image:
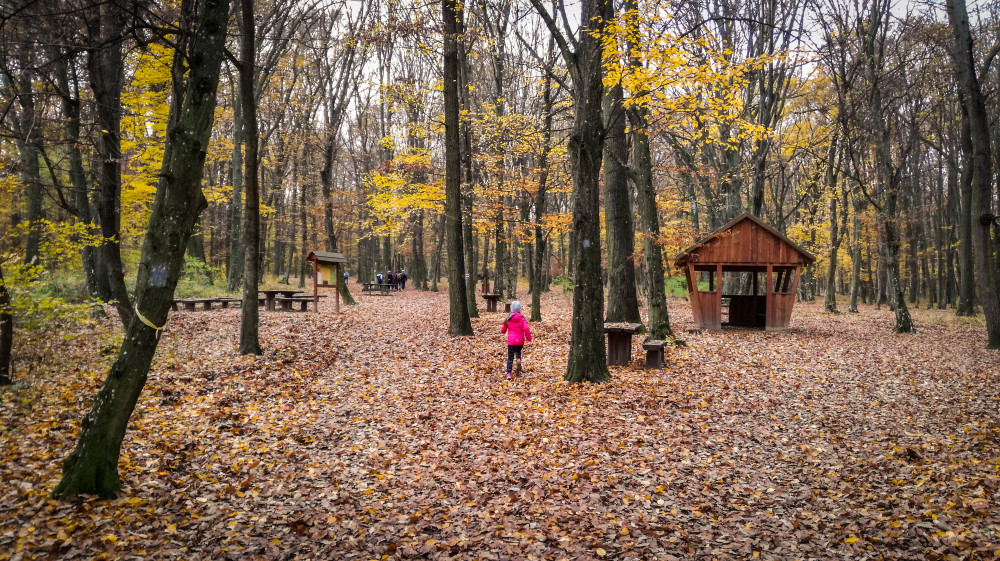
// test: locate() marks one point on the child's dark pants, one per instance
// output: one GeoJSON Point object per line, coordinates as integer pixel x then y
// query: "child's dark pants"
{"type": "Point", "coordinates": [512, 351]}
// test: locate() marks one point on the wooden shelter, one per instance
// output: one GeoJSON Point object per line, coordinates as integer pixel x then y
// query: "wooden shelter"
{"type": "Point", "coordinates": [745, 245]}
{"type": "Point", "coordinates": [326, 274]}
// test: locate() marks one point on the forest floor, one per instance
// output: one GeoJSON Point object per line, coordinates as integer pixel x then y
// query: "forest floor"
{"type": "Point", "coordinates": [374, 435]}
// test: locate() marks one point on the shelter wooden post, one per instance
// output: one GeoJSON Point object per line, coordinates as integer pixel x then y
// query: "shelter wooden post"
{"type": "Point", "coordinates": [718, 296]}
{"type": "Point", "coordinates": [769, 300]}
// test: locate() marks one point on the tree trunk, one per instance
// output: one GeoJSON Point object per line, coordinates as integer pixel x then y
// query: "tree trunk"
{"type": "Point", "coordinates": [623, 303]}
{"type": "Point", "coordinates": [587, 354]}
{"type": "Point", "coordinates": [966, 265]}
{"type": "Point", "coordinates": [538, 271]}
{"type": "Point", "coordinates": [468, 193]}
{"type": "Point", "coordinates": [830, 300]}
{"type": "Point", "coordinates": [642, 164]}
{"type": "Point", "coordinates": [30, 148]}
{"type": "Point", "coordinates": [981, 196]}
{"type": "Point", "coordinates": [234, 273]}
{"type": "Point", "coordinates": [249, 313]}
{"type": "Point", "coordinates": [92, 467]}
{"type": "Point", "coordinates": [107, 71]}
{"type": "Point", "coordinates": [852, 306]}
{"type": "Point", "coordinates": [459, 322]}
{"type": "Point", "coordinates": [6, 334]}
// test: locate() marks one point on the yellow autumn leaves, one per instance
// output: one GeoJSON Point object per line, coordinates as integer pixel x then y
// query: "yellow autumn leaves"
{"type": "Point", "coordinates": [691, 89]}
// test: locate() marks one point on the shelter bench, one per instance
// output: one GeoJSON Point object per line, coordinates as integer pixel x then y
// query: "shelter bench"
{"type": "Point", "coordinates": [654, 353]}
{"type": "Point", "coordinates": [620, 342]}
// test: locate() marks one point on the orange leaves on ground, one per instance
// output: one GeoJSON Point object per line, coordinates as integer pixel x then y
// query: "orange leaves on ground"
{"type": "Point", "coordinates": [373, 434]}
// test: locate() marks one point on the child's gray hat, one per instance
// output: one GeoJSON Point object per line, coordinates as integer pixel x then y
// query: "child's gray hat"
{"type": "Point", "coordinates": [515, 306]}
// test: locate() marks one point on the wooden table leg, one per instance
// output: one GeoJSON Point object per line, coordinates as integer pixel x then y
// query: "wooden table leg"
{"type": "Point", "coordinates": [619, 348]}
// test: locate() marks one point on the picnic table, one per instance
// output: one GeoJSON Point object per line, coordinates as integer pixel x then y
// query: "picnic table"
{"type": "Point", "coordinates": [620, 342]}
{"type": "Point", "coordinates": [286, 303]}
{"type": "Point", "coordinates": [491, 302]}
{"type": "Point", "coordinates": [381, 288]}
{"type": "Point", "coordinates": [272, 293]}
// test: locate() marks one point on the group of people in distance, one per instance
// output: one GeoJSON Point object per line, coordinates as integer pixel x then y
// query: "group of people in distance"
{"type": "Point", "coordinates": [393, 278]}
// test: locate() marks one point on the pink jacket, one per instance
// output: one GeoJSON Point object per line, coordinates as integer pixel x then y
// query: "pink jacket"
{"type": "Point", "coordinates": [517, 330]}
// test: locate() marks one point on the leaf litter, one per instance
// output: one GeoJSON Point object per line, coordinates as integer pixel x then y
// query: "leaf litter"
{"type": "Point", "coordinates": [375, 435]}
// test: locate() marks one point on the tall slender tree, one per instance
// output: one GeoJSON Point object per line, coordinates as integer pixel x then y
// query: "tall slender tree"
{"type": "Point", "coordinates": [250, 314]}
{"type": "Point", "coordinates": [459, 321]}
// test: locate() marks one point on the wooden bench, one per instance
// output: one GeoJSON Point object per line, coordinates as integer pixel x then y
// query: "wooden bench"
{"type": "Point", "coordinates": [191, 304]}
{"type": "Point", "coordinates": [376, 288]}
{"type": "Point", "coordinates": [491, 302]}
{"type": "Point", "coordinates": [286, 303]}
{"type": "Point", "coordinates": [620, 342]}
{"type": "Point", "coordinates": [654, 353]}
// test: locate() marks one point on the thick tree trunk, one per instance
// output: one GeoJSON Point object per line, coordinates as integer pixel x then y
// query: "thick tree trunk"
{"type": "Point", "coordinates": [623, 302]}
{"type": "Point", "coordinates": [459, 322]}
{"type": "Point", "coordinates": [92, 467]}
{"type": "Point", "coordinates": [587, 354]}
{"type": "Point", "coordinates": [981, 196]}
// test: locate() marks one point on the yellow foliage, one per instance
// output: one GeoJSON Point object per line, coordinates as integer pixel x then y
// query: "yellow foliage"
{"type": "Point", "coordinates": [146, 103]}
{"type": "Point", "coordinates": [400, 189]}
{"type": "Point", "coordinates": [690, 89]}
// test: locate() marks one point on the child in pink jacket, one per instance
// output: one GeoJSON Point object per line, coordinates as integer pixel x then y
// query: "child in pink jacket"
{"type": "Point", "coordinates": [518, 332]}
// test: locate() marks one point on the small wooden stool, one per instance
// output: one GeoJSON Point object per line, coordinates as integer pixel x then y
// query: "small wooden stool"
{"type": "Point", "coordinates": [654, 353]}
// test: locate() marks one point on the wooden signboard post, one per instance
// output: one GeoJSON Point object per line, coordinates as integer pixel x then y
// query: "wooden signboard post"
{"type": "Point", "coordinates": [326, 274]}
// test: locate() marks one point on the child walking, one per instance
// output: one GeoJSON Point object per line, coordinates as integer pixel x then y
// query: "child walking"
{"type": "Point", "coordinates": [518, 333]}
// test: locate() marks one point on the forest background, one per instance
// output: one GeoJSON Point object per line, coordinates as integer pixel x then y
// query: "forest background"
{"type": "Point", "coordinates": [865, 131]}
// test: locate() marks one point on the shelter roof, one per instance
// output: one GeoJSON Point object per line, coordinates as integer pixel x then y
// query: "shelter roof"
{"type": "Point", "coordinates": [745, 240]}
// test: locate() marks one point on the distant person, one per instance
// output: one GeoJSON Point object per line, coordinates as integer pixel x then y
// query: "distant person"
{"type": "Point", "coordinates": [518, 333]}
{"type": "Point", "coordinates": [402, 280]}
{"type": "Point", "coordinates": [379, 277]}
{"type": "Point", "coordinates": [347, 277]}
